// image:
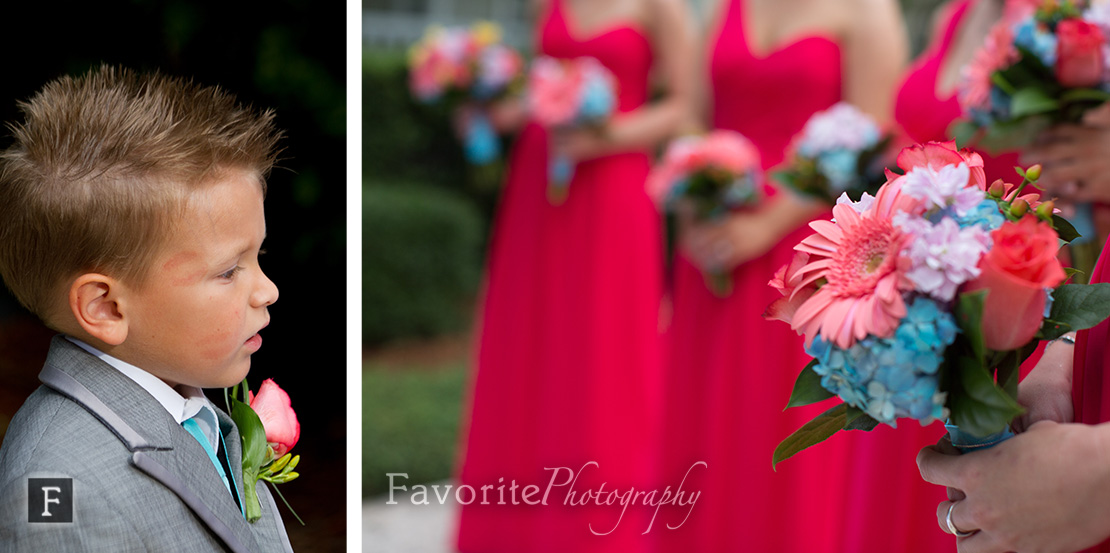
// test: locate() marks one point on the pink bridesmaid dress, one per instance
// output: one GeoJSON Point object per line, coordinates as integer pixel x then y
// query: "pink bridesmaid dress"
{"type": "Point", "coordinates": [729, 371]}
{"type": "Point", "coordinates": [1091, 376]}
{"type": "Point", "coordinates": [569, 362]}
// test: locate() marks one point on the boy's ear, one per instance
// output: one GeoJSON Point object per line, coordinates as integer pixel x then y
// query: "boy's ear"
{"type": "Point", "coordinates": [95, 303]}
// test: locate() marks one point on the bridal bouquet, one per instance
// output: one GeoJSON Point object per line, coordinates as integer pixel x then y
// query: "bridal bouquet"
{"type": "Point", "coordinates": [708, 176]}
{"type": "Point", "coordinates": [566, 93]}
{"type": "Point", "coordinates": [840, 150]}
{"type": "Point", "coordinates": [466, 67]}
{"type": "Point", "coordinates": [1044, 63]}
{"type": "Point", "coordinates": [922, 301]}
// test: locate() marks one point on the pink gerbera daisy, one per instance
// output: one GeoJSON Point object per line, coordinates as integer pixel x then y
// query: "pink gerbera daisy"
{"type": "Point", "coordinates": [860, 262]}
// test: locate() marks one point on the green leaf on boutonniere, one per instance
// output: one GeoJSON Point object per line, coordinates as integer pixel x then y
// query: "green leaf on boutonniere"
{"type": "Point", "coordinates": [979, 407]}
{"type": "Point", "coordinates": [1076, 307]}
{"type": "Point", "coordinates": [807, 388]}
{"type": "Point", "coordinates": [252, 435]}
{"type": "Point", "coordinates": [969, 317]}
{"type": "Point", "coordinates": [1032, 100]}
{"type": "Point", "coordinates": [1064, 229]}
{"type": "Point", "coordinates": [812, 433]}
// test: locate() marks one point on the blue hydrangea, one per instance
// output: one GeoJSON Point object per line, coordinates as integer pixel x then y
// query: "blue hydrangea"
{"type": "Point", "coordinates": [839, 166]}
{"type": "Point", "coordinates": [986, 215]}
{"type": "Point", "coordinates": [560, 170]}
{"type": "Point", "coordinates": [896, 377]}
{"type": "Point", "coordinates": [597, 101]}
{"type": "Point", "coordinates": [740, 191]}
{"type": "Point", "coordinates": [480, 144]}
{"type": "Point", "coordinates": [1029, 35]}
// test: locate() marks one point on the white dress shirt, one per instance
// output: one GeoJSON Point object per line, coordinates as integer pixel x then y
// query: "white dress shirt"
{"type": "Point", "coordinates": [182, 403]}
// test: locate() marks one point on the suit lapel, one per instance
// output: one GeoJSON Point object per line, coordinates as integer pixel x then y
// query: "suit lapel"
{"type": "Point", "coordinates": [159, 446]}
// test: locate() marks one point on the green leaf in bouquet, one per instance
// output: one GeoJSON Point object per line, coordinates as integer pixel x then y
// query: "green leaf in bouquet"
{"type": "Point", "coordinates": [1028, 71]}
{"type": "Point", "coordinates": [963, 131]}
{"type": "Point", "coordinates": [1064, 229]}
{"type": "Point", "coordinates": [1071, 271]}
{"type": "Point", "coordinates": [812, 433]}
{"type": "Point", "coordinates": [978, 405]}
{"type": "Point", "coordinates": [1032, 100]}
{"type": "Point", "coordinates": [1076, 307]}
{"type": "Point", "coordinates": [857, 419]}
{"type": "Point", "coordinates": [1008, 364]}
{"type": "Point", "coordinates": [969, 317]}
{"type": "Point", "coordinates": [1015, 134]}
{"type": "Point", "coordinates": [807, 388]}
{"type": "Point", "coordinates": [1094, 95]}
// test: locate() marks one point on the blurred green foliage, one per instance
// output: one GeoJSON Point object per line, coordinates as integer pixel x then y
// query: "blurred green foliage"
{"type": "Point", "coordinates": [410, 423]}
{"type": "Point", "coordinates": [421, 259]}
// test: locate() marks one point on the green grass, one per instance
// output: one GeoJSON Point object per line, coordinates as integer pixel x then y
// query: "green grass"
{"type": "Point", "coordinates": [410, 423]}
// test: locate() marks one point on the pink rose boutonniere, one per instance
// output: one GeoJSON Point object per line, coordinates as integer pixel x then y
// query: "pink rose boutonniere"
{"type": "Point", "coordinates": [268, 429]}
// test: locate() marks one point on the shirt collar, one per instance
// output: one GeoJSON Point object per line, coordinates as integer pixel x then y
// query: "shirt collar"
{"type": "Point", "coordinates": [182, 403]}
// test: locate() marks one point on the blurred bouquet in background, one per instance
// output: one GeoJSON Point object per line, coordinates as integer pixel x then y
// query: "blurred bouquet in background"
{"type": "Point", "coordinates": [467, 69]}
{"type": "Point", "coordinates": [922, 301]}
{"type": "Point", "coordinates": [569, 93]}
{"type": "Point", "coordinates": [1044, 63]}
{"type": "Point", "coordinates": [840, 150]}
{"type": "Point", "coordinates": [706, 177]}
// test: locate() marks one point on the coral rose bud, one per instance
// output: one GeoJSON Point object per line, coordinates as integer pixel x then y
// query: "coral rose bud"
{"type": "Point", "coordinates": [1079, 53]}
{"type": "Point", "coordinates": [275, 410]}
{"type": "Point", "coordinates": [1045, 210]}
{"type": "Point", "coordinates": [1019, 207]}
{"type": "Point", "coordinates": [997, 189]}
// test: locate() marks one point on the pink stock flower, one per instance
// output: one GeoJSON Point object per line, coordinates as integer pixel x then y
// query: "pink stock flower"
{"type": "Point", "coordinates": [1016, 271]}
{"type": "Point", "coordinates": [997, 52]}
{"type": "Point", "coordinates": [1079, 53]}
{"type": "Point", "coordinates": [859, 260]}
{"type": "Point", "coordinates": [554, 87]}
{"type": "Point", "coordinates": [274, 409]}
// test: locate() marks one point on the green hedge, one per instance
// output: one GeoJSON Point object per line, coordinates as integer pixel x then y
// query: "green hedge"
{"type": "Point", "coordinates": [410, 424]}
{"type": "Point", "coordinates": [421, 260]}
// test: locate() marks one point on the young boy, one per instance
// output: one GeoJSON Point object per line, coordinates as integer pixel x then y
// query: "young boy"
{"type": "Point", "coordinates": [131, 220]}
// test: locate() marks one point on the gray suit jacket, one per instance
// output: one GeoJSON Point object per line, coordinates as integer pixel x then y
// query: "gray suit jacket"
{"type": "Point", "coordinates": [140, 481]}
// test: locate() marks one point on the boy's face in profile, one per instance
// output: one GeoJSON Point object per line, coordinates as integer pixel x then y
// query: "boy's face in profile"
{"type": "Point", "coordinates": [196, 321]}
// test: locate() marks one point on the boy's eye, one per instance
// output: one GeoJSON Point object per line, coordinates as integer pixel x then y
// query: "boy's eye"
{"type": "Point", "coordinates": [231, 273]}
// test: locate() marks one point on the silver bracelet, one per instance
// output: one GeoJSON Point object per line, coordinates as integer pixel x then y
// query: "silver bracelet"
{"type": "Point", "coordinates": [1067, 339]}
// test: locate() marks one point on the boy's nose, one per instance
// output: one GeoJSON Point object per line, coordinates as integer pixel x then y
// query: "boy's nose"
{"type": "Point", "coordinates": [265, 293]}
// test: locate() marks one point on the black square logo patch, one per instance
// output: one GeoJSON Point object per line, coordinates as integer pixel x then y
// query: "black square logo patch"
{"type": "Point", "coordinates": [49, 500]}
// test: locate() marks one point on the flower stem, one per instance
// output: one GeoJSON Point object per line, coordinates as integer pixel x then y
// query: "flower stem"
{"type": "Point", "coordinates": [278, 492]}
{"type": "Point", "coordinates": [252, 509]}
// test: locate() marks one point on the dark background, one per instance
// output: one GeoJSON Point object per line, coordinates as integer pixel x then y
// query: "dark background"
{"type": "Point", "coordinates": [288, 55]}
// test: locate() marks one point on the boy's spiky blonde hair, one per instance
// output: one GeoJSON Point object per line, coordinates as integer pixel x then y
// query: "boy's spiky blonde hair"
{"type": "Point", "coordinates": [101, 168]}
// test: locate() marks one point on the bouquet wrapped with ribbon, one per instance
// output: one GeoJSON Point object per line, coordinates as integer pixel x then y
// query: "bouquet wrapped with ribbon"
{"type": "Point", "coordinates": [568, 93]}
{"type": "Point", "coordinates": [922, 301]}
{"type": "Point", "coordinates": [470, 68]}
{"type": "Point", "coordinates": [706, 177]}
{"type": "Point", "coordinates": [840, 150]}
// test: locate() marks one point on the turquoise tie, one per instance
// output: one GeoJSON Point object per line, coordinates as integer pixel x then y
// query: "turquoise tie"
{"type": "Point", "coordinates": [193, 428]}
